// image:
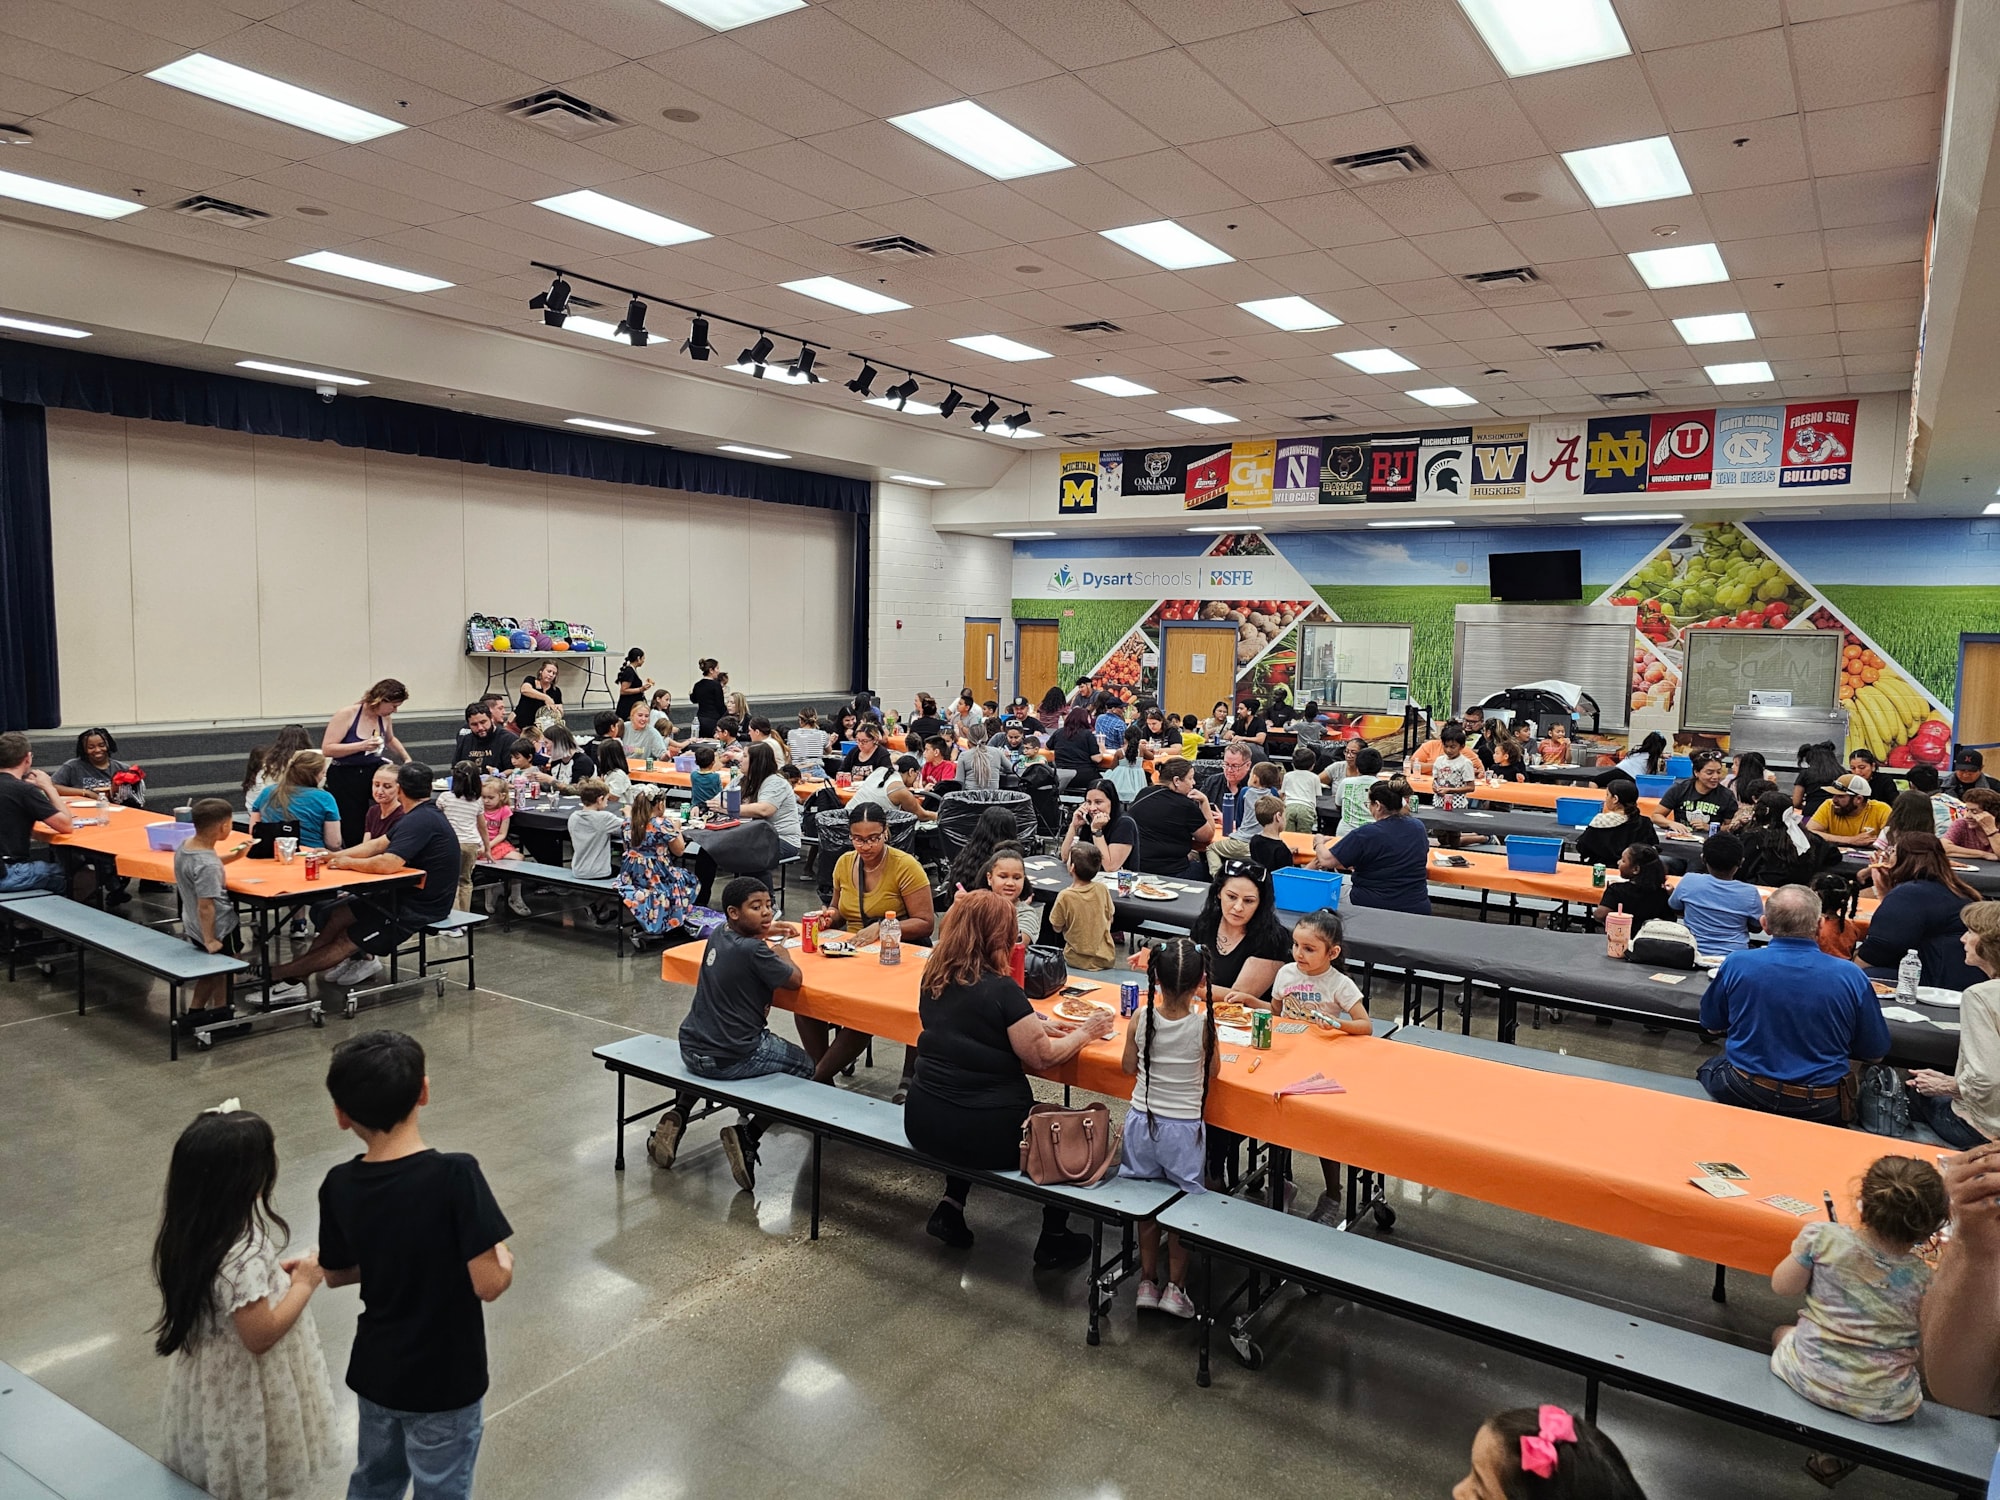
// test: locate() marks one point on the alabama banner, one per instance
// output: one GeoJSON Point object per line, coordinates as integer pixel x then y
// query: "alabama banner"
{"type": "Point", "coordinates": [1555, 459]}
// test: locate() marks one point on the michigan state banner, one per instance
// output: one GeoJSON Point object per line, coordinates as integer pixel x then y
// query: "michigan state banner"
{"type": "Point", "coordinates": [1079, 485]}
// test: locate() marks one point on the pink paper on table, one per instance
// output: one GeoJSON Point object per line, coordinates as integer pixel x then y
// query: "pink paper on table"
{"type": "Point", "coordinates": [1318, 1083]}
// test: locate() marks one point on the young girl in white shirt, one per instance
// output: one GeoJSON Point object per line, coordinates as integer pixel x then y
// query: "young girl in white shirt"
{"type": "Point", "coordinates": [1170, 1051]}
{"type": "Point", "coordinates": [1314, 987]}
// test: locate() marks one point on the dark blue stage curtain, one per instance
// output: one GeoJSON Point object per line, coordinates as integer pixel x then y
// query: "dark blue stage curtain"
{"type": "Point", "coordinates": [28, 695]}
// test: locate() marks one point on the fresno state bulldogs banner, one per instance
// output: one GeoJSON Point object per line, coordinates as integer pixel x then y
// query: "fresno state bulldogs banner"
{"type": "Point", "coordinates": [1819, 444]}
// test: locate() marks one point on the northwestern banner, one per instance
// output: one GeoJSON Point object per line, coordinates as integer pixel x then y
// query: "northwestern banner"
{"type": "Point", "coordinates": [1295, 479]}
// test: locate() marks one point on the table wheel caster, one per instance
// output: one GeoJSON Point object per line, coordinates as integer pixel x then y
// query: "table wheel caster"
{"type": "Point", "coordinates": [1248, 1354]}
{"type": "Point", "coordinates": [1385, 1217]}
{"type": "Point", "coordinates": [1558, 922]}
{"type": "Point", "coordinates": [203, 1043]}
{"type": "Point", "coordinates": [440, 987]}
{"type": "Point", "coordinates": [353, 1007]}
{"type": "Point", "coordinates": [317, 1016]}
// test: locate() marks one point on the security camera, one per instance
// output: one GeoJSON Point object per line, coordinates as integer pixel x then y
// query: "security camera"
{"type": "Point", "coordinates": [326, 392]}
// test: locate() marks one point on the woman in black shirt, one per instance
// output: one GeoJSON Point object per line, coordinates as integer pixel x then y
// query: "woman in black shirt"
{"type": "Point", "coordinates": [970, 1094]}
{"type": "Point", "coordinates": [539, 692]}
{"type": "Point", "coordinates": [707, 697]}
{"type": "Point", "coordinates": [1618, 827]}
{"type": "Point", "coordinates": [925, 724]}
{"type": "Point", "coordinates": [1771, 856]}
{"type": "Point", "coordinates": [1642, 891]}
{"type": "Point", "coordinates": [632, 688]}
{"type": "Point", "coordinates": [1074, 747]}
{"type": "Point", "coordinates": [868, 754]}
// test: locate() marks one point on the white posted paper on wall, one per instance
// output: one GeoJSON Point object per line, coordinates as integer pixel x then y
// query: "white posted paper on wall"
{"type": "Point", "coordinates": [1198, 664]}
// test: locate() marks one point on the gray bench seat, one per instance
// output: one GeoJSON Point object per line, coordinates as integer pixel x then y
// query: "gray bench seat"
{"type": "Point", "coordinates": [49, 1448]}
{"type": "Point", "coordinates": [562, 878]}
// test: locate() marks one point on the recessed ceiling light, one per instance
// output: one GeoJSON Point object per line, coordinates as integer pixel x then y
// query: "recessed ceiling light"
{"type": "Point", "coordinates": [622, 218]}
{"type": "Point", "coordinates": [1219, 530]}
{"type": "Point", "coordinates": [1993, 509]}
{"type": "Point", "coordinates": [1022, 536]}
{"type": "Point", "coordinates": [980, 138]}
{"type": "Point", "coordinates": [910, 408]}
{"type": "Point", "coordinates": [1375, 361]}
{"type": "Point", "coordinates": [597, 328]}
{"type": "Point", "coordinates": [1000, 348]}
{"type": "Point", "coordinates": [1680, 265]}
{"type": "Point", "coordinates": [1204, 414]}
{"type": "Point", "coordinates": [1640, 515]}
{"type": "Point", "coordinates": [1018, 432]}
{"type": "Point", "coordinates": [727, 15]}
{"type": "Point", "coordinates": [335, 264]}
{"type": "Point", "coordinates": [750, 452]}
{"type": "Point", "coordinates": [1293, 314]}
{"type": "Point", "coordinates": [1443, 395]}
{"type": "Point", "coordinates": [53, 330]}
{"type": "Point", "coordinates": [778, 373]}
{"type": "Point", "coordinates": [844, 294]}
{"type": "Point", "coordinates": [597, 426]}
{"type": "Point", "coordinates": [1630, 172]}
{"type": "Point", "coordinates": [1410, 525]}
{"type": "Point", "coordinates": [272, 98]}
{"type": "Point", "coordinates": [271, 369]}
{"type": "Point", "coordinates": [60, 195]}
{"type": "Point", "coordinates": [1715, 328]}
{"type": "Point", "coordinates": [1539, 36]}
{"type": "Point", "coordinates": [929, 484]}
{"type": "Point", "coordinates": [1747, 373]}
{"type": "Point", "coordinates": [1115, 385]}
{"type": "Point", "coordinates": [1165, 243]}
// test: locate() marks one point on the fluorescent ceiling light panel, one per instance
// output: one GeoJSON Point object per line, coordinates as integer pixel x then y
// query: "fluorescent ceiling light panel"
{"type": "Point", "coordinates": [60, 195]}
{"type": "Point", "coordinates": [225, 83]}
{"type": "Point", "coordinates": [844, 294]}
{"type": "Point", "coordinates": [622, 218]}
{"type": "Point", "coordinates": [597, 328]}
{"type": "Point", "coordinates": [1022, 536]}
{"type": "Point", "coordinates": [1115, 385]}
{"type": "Point", "coordinates": [998, 431]}
{"type": "Point", "coordinates": [271, 369]}
{"type": "Point", "coordinates": [1993, 509]}
{"type": "Point", "coordinates": [1293, 314]}
{"type": "Point", "coordinates": [1630, 172]}
{"type": "Point", "coordinates": [53, 330]}
{"type": "Point", "coordinates": [727, 15]}
{"type": "Point", "coordinates": [1204, 414]}
{"type": "Point", "coordinates": [1443, 395]}
{"type": "Point", "coordinates": [980, 138]}
{"type": "Point", "coordinates": [775, 372]}
{"type": "Point", "coordinates": [1749, 372]}
{"type": "Point", "coordinates": [597, 426]}
{"type": "Point", "coordinates": [1715, 328]}
{"type": "Point", "coordinates": [1165, 243]}
{"type": "Point", "coordinates": [929, 484]}
{"type": "Point", "coordinates": [1409, 525]}
{"type": "Point", "coordinates": [1220, 530]}
{"type": "Point", "coordinates": [1679, 265]}
{"type": "Point", "coordinates": [911, 409]}
{"type": "Point", "coordinates": [335, 264]}
{"type": "Point", "coordinates": [751, 452]}
{"type": "Point", "coordinates": [1539, 36]}
{"type": "Point", "coordinates": [1375, 361]}
{"type": "Point", "coordinates": [1640, 515]}
{"type": "Point", "coordinates": [1001, 348]}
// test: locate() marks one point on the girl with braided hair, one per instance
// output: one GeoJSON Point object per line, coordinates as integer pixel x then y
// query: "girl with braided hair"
{"type": "Point", "coordinates": [1170, 1050]}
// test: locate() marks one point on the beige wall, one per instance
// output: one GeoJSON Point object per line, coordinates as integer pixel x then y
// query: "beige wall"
{"type": "Point", "coordinates": [922, 588]}
{"type": "Point", "coordinates": [205, 575]}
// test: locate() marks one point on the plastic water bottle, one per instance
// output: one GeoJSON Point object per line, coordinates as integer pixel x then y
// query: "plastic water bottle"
{"type": "Point", "coordinates": [1909, 974]}
{"type": "Point", "coordinates": [891, 940]}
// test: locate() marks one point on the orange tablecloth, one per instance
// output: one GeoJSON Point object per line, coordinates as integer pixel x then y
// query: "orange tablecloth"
{"type": "Point", "coordinates": [1531, 793]}
{"type": "Point", "coordinates": [1600, 1156]}
{"type": "Point", "coordinates": [665, 775]}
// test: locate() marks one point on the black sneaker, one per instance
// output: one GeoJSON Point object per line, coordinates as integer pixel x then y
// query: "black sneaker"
{"type": "Point", "coordinates": [190, 1019]}
{"type": "Point", "coordinates": [742, 1153]}
{"type": "Point", "coordinates": [1058, 1252]}
{"type": "Point", "coordinates": [948, 1224]}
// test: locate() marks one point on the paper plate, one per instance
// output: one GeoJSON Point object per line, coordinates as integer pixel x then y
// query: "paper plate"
{"type": "Point", "coordinates": [1944, 999]}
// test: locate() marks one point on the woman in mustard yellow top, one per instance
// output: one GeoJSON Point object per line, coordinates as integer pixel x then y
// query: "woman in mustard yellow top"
{"type": "Point", "coordinates": [869, 881]}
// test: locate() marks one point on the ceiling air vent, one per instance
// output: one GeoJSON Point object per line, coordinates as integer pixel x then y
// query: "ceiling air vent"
{"type": "Point", "coordinates": [1222, 380]}
{"type": "Point", "coordinates": [1321, 416]}
{"type": "Point", "coordinates": [1588, 346]}
{"type": "Point", "coordinates": [1085, 330]}
{"type": "Point", "coordinates": [219, 211]}
{"type": "Point", "coordinates": [1512, 276]}
{"type": "Point", "coordinates": [1077, 437]}
{"type": "Point", "coordinates": [894, 247]}
{"type": "Point", "coordinates": [1392, 165]}
{"type": "Point", "coordinates": [563, 115]}
{"type": "Point", "coordinates": [1625, 398]}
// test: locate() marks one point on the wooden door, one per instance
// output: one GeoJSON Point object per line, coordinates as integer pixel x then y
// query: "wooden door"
{"type": "Point", "coordinates": [1036, 659]}
{"type": "Point", "coordinates": [1978, 691]}
{"type": "Point", "coordinates": [982, 660]}
{"type": "Point", "coordinates": [1197, 667]}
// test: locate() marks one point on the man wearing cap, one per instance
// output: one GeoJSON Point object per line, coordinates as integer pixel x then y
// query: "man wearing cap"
{"type": "Point", "coordinates": [1849, 815]}
{"type": "Point", "coordinates": [1968, 770]}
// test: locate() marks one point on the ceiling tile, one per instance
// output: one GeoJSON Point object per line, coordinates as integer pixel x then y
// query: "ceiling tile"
{"type": "Point", "coordinates": [1789, 321]}
{"type": "Point", "coordinates": [510, 36]}
{"type": "Point", "coordinates": [1286, 73]}
{"type": "Point", "coordinates": [1085, 199]}
{"type": "Point", "coordinates": [1264, 166]}
{"type": "Point", "coordinates": [1820, 10]}
{"type": "Point", "coordinates": [929, 222]}
{"type": "Point", "coordinates": [1877, 283]}
{"type": "Point", "coordinates": [1195, 20]}
{"type": "Point", "coordinates": [1249, 234]}
{"type": "Point", "coordinates": [1172, 182]}
{"type": "Point", "coordinates": [54, 68]}
{"type": "Point", "coordinates": [1808, 290]}
{"type": "Point", "coordinates": [1080, 36]}
{"type": "Point", "coordinates": [22, 100]}
{"type": "Point", "coordinates": [1172, 96]}
{"type": "Point", "coordinates": [1867, 137]}
{"type": "Point", "coordinates": [802, 166]}
{"type": "Point", "coordinates": [1796, 346]}
{"type": "Point", "coordinates": [1879, 364]}
{"type": "Point", "coordinates": [817, 45]}
{"type": "Point", "coordinates": [1653, 24]}
{"type": "Point", "coordinates": [1897, 195]}
{"type": "Point", "coordinates": [782, 100]}
{"type": "Point", "coordinates": [1891, 340]}
{"type": "Point", "coordinates": [1555, 191]}
{"type": "Point", "coordinates": [346, 28]}
{"type": "Point", "coordinates": [1431, 296]}
{"type": "Point", "coordinates": [66, 28]}
{"type": "Point", "coordinates": [1348, 134]}
{"type": "Point", "coordinates": [1069, 116]}
{"type": "Point", "coordinates": [1385, 261]}
{"type": "Point", "coordinates": [636, 92]}
{"type": "Point", "coordinates": [511, 140]}
{"type": "Point", "coordinates": [999, 208]}
{"type": "Point", "coordinates": [898, 157]}
{"type": "Point", "coordinates": [162, 142]}
{"type": "Point", "coordinates": [1774, 255]}
{"type": "Point", "coordinates": [1422, 205]}
{"type": "Point", "coordinates": [1593, 276]}
{"type": "Point", "coordinates": [1330, 220]}
{"type": "Point", "coordinates": [1464, 251]}
{"type": "Point", "coordinates": [1874, 245]}
{"type": "Point", "coordinates": [957, 42]}
{"type": "Point", "coordinates": [1590, 106]}
{"type": "Point", "coordinates": [1564, 237]}
{"type": "Point", "coordinates": [1618, 308]}
{"type": "Point", "coordinates": [1772, 150]}
{"type": "Point", "coordinates": [1712, 83]}
{"type": "Point", "coordinates": [1373, 39]}
{"type": "Point", "coordinates": [1778, 208]}
{"type": "Point", "coordinates": [398, 175]}
{"type": "Point", "coordinates": [1471, 128]}
{"type": "Point", "coordinates": [1859, 59]}
{"type": "Point", "coordinates": [632, 31]}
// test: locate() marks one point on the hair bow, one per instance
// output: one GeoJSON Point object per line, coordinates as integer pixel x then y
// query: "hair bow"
{"type": "Point", "coordinates": [226, 1107]}
{"type": "Point", "coordinates": [1538, 1450]}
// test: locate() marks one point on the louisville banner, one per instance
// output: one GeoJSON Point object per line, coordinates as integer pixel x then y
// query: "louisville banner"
{"type": "Point", "coordinates": [1500, 462]}
{"type": "Point", "coordinates": [1343, 471]}
{"type": "Point", "coordinates": [1819, 444]}
{"type": "Point", "coordinates": [1682, 456]}
{"type": "Point", "coordinates": [1615, 454]}
{"type": "Point", "coordinates": [1392, 467]}
{"type": "Point", "coordinates": [1441, 464]}
{"type": "Point", "coordinates": [1555, 459]}
{"type": "Point", "coordinates": [1295, 478]}
{"type": "Point", "coordinates": [1748, 441]}
{"type": "Point", "coordinates": [1079, 484]}
{"type": "Point", "coordinates": [1155, 471]}
{"type": "Point", "coordinates": [1207, 479]}
{"type": "Point", "coordinates": [1251, 469]}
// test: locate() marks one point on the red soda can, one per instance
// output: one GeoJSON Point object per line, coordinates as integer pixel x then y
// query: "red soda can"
{"type": "Point", "coordinates": [312, 867]}
{"type": "Point", "coordinates": [809, 933]}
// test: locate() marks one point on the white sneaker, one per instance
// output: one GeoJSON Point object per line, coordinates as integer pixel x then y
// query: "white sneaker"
{"type": "Point", "coordinates": [1149, 1296]}
{"type": "Point", "coordinates": [1327, 1210]}
{"type": "Point", "coordinates": [1176, 1303]}
{"type": "Point", "coordinates": [356, 970]}
{"type": "Point", "coordinates": [287, 992]}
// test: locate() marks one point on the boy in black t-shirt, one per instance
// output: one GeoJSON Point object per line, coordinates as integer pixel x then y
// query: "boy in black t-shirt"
{"type": "Point", "coordinates": [420, 1231]}
{"type": "Point", "coordinates": [1267, 844]}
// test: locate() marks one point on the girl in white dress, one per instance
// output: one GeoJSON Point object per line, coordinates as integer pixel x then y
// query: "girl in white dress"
{"type": "Point", "coordinates": [248, 1410]}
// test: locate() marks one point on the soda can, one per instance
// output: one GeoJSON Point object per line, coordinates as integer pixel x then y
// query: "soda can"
{"type": "Point", "coordinates": [1597, 876]}
{"type": "Point", "coordinates": [1128, 997]}
{"type": "Point", "coordinates": [1260, 1029]}
{"type": "Point", "coordinates": [809, 933]}
{"type": "Point", "coordinates": [312, 868]}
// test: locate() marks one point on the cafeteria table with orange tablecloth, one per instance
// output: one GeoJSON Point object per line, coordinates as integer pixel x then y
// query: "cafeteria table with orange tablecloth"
{"type": "Point", "coordinates": [1528, 794]}
{"type": "Point", "coordinates": [1596, 1155]}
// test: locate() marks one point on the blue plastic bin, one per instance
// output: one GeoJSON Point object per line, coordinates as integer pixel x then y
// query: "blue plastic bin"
{"type": "Point", "coordinates": [1575, 812]}
{"type": "Point", "coordinates": [1678, 766]}
{"type": "Point", "coordinates": [1306, 890]}
{"type": "Point", "coordinates": [1653, 786]}
{"type": "Point", "coordinates": [1531, 856]}
{"type": "Point", "coordinates": [847, 747]}
{"type": "Point", "coordinates": [167, 837]}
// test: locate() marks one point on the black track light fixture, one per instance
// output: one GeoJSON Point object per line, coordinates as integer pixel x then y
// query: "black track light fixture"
{"type": "Point", "coordinates": [801, 368]}
{"type": "Point", "coordinates": [697, 345]}
{"type": "Point", "coordinates": [951, 403]}
{"type": "Point", "coordinates": [983, 418]}
{"type": "Point", "coordinates": [552, 304]}
{"type": "Point", "coordinates": [757, 354]}
{"type": "Point", "coordinates": [634, 325]}
{"type": "Point", "coordinates": [901, 394]}
{"type": "Point", "coordinates": [1016, 422]}
{"type": "Point", "coordinates": [864, 382]}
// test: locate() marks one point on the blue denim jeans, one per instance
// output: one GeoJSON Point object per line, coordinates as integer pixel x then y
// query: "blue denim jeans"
{"type": "Point", "coordinates": [428, 1453]}
{"type": "Point", "coordinates": [1943, 1120]}
{"type": "Point", "coordinates": [1728, 1086]}
{"type": "Point", "coordinates": [34, 875]}
{"type": "Point", "coordinates": [772, 1054]}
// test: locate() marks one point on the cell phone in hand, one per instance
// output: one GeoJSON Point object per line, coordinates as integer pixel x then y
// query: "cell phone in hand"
{"type": "Point", "coordinates": [1076, 991]}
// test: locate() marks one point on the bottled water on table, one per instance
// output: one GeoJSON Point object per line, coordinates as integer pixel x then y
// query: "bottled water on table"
{"type": "Point", "coordinates": [1909, 974]}
{"type": "Point", "coordinates": [891, 940]}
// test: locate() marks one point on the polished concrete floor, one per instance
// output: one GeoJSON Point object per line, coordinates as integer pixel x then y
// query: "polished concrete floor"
{"type": "Point", "coordinates": [667, 1336]}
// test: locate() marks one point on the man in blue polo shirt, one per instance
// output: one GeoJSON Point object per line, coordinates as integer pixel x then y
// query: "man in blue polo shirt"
{"type": "Point", "coordinates": [1793, 1018]}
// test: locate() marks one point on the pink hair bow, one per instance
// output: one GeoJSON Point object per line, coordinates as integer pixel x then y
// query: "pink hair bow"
{"type": "Point", "coordinates": [1538, 1450]}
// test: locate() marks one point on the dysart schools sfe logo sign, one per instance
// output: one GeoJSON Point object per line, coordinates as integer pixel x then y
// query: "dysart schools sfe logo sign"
{"type": "Point", "coordinates": [1063, 581]}
{"type": "Point", "coordinates": [1230, 578]}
